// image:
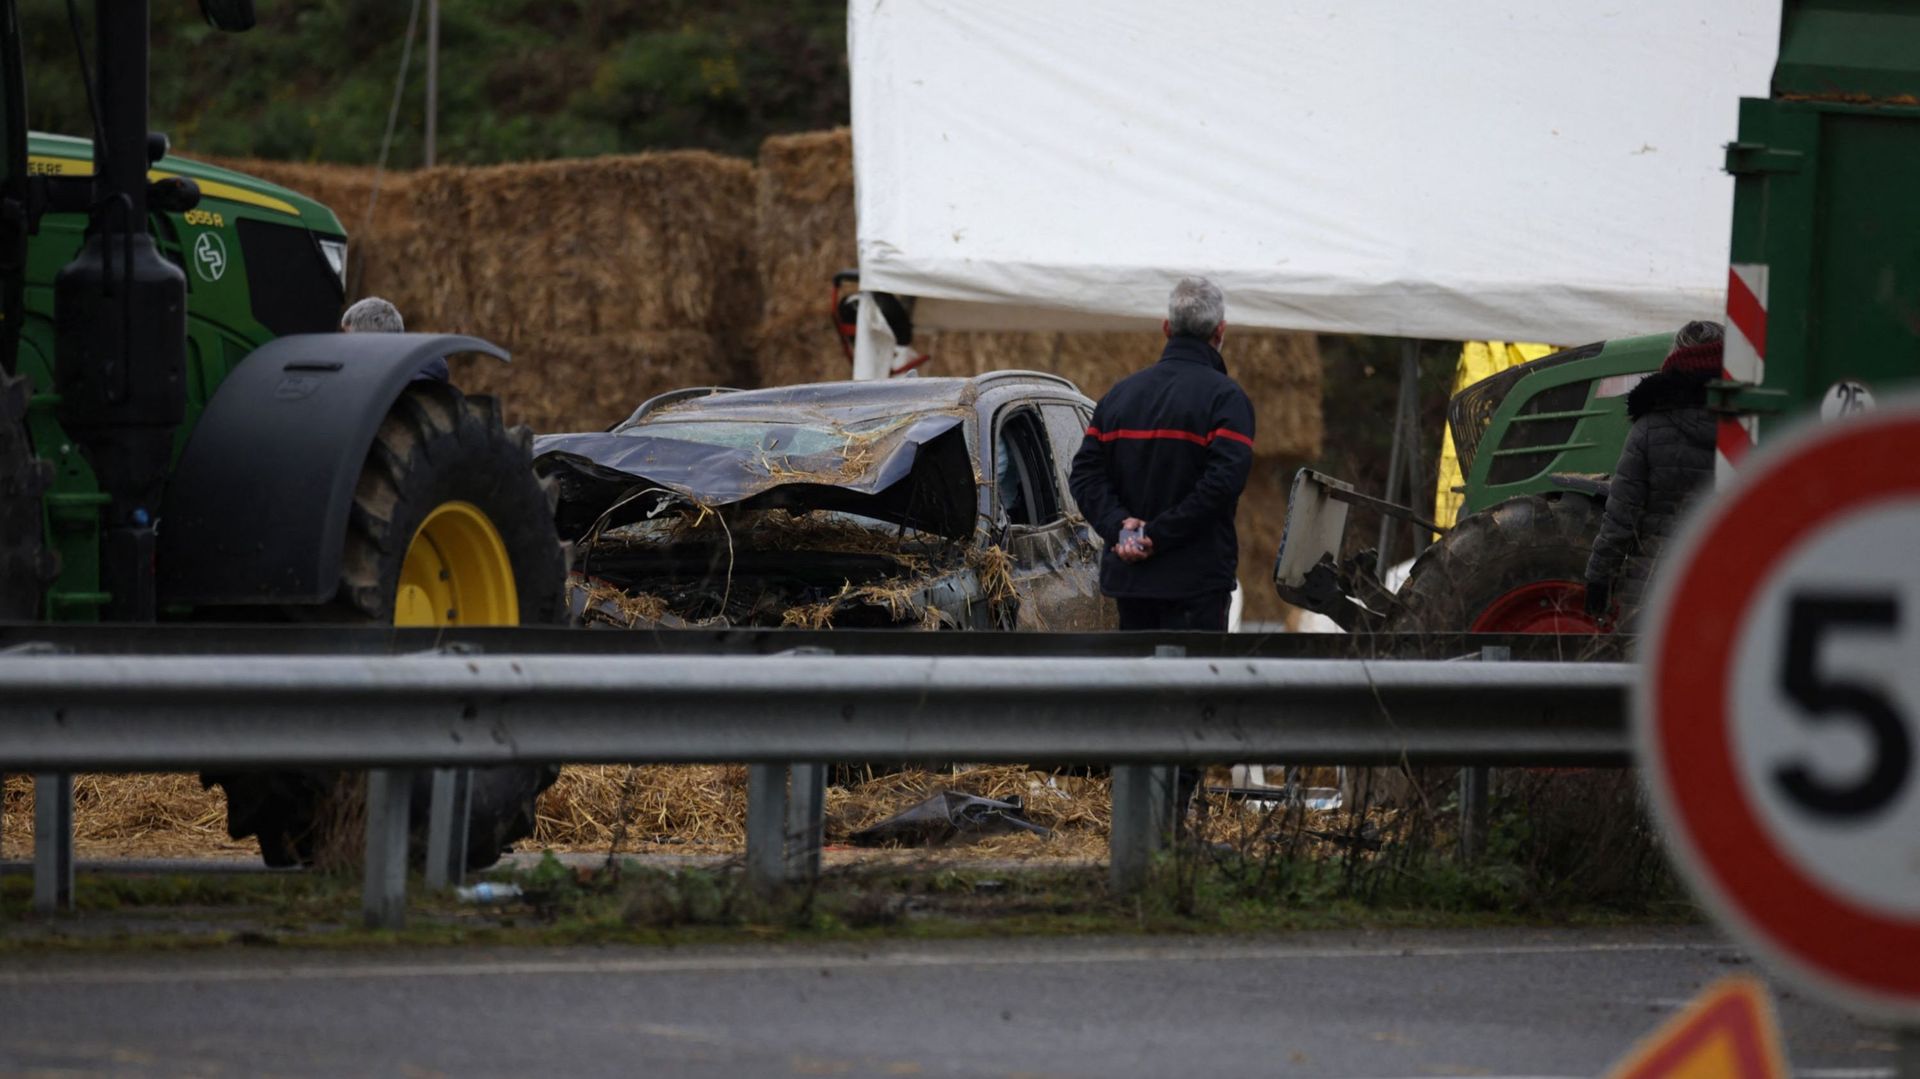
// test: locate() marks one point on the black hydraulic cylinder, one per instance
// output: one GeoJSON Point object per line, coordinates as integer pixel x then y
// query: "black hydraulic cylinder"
{"type": "Point", "coordinates": [120, 319]}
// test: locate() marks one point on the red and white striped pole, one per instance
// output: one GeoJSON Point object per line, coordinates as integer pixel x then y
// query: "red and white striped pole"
{"type": "Point", "coordinates": [1745, 358]}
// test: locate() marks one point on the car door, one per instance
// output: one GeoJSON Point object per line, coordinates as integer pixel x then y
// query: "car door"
{"type": "Point", "coordinates": [1055, 557]}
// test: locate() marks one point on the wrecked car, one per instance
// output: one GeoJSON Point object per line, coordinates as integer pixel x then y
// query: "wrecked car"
{"type": "Point", "coordinates": [932, 503]}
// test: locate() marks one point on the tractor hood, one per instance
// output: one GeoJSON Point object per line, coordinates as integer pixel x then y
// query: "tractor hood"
{"type": "Point", "coordinates": [903, 468]}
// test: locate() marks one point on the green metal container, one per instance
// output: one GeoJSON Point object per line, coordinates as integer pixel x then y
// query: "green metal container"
{"type": "Point", "coordinates": [1824, 305]}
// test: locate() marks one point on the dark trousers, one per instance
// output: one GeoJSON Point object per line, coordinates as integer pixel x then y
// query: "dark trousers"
{"type": "Point", "coordinates": [1205, 611]}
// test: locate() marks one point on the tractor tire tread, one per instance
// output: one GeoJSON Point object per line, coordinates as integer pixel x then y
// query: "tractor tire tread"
{"type": "Point", "coordinates": [1524, 539]}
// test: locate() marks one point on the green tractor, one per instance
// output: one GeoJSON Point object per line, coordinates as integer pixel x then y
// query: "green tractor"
{"type": "Point", "coordinates": [1535, 444]}
{"type": "Point", "coordinates": [185, 436]}
{"type": "Point", "coordinates": [1823, 312]}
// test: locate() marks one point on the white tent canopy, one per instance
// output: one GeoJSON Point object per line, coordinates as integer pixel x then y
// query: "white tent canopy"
{"type": "Point", "coordinates": [1457, 169]}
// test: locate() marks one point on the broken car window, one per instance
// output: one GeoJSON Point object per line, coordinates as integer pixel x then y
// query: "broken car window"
{"type": "Point", "coordinates": [1027, 479]}
{"type": "Point", "coordinates": [1066, 428]}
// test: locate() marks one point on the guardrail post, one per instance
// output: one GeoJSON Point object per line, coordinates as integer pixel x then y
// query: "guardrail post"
{"type": "Point", "coordinates": [383, 897]}
{"type": "Point", "coordinates": [766, 825]}
{"type": "Point", "coordinates": [448, 812]}
{"type": "Point", "coordinates": [52, 842]}
{"type": "Point", "coordinates": [1473, 812]}
{"type": "Point", "coordinates": [1474, 783]}
{"type": "Point", "coordinates": [1163, 780]}
{"type": "Point", "coordinates": [1130, 838]}
{"type": "Point", "coordinates": [806, 821]}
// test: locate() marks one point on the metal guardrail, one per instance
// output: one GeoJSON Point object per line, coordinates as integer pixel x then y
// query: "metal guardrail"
{"type": "Point", "coordinates": [150, 713]}
{"type": "Point", "coordinates": [61, 714]}
{"type": "Point", "coordinates": [337, 640]}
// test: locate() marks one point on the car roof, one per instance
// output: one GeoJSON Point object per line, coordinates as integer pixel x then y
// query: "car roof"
{"type": "Point", "coordinates": [850, 401]}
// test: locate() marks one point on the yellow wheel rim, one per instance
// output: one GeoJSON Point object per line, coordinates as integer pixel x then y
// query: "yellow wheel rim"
{"type": "Point", "coordinates": [457, 572]}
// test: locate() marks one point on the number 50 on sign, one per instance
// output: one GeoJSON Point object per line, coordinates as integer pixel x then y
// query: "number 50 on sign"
{"type": "Point", "coordinates": [1779, 712]}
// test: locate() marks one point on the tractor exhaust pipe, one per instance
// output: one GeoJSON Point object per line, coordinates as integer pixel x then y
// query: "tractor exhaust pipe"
{"type": "Point", "coordinates": [120, 318]}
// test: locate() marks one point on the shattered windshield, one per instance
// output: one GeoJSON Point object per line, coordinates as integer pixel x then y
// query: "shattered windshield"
{"type": "Point", "coordinates": [800, 440]}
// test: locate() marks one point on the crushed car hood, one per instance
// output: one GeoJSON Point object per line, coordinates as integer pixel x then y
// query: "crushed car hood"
{"type": "Point", "coordinates": [916, 472]}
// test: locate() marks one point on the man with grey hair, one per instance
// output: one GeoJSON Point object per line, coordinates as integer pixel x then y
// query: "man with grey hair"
{"type": "Point", "coordinates": [372, 315]}
{"type": "Point", "coordinates": [375, 315]}
{"type": "Point", "coordinates": [1160, 473]}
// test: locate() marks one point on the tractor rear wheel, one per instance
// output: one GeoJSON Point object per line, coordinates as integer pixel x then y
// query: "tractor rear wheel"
{"type": "Point", "coordinates": [1519, 567]}
{"type": "Point", "coordinates": [450, 527]}
{"type": "Point", "coordinates": [25, 565]}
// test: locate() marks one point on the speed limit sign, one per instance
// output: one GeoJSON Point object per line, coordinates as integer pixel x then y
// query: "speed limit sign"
{"type": "Point", "coordinates": [1779, 712]}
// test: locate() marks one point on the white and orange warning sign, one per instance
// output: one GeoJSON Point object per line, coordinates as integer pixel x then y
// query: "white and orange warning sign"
{"type": "Point", "coordinates": [1728, 1032]}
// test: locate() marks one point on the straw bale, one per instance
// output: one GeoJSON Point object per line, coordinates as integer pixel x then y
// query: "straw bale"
{"type": "Point", "coordinates": [804, 228]}
{"type": "Point", "coordinates": [1260, 522]}
{"type": "Point", "coordinates": [799, 349]}
{"type": "Point", "coordinates": [591, 246]}
{"type": "Point", "coordinates": [1094, 361]}
{"type": "Point", "coordinates": [804, 233]}
{"type": "Point", "coordinates": [1281, 373]}
{"type": "Point", "coordinates": [388, 263]}
{"type": "Point", "coordinates": [582, 382]}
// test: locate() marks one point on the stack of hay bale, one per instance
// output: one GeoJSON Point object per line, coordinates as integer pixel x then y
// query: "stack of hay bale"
{"type": "Point", "coordinates": [804, 234]}
{"type": "Point", "coordinates": [612, 279]}
{"type": "Point", "coordinates": [609, 279]}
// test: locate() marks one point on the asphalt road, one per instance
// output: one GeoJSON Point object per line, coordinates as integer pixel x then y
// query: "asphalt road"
{"type": "Point", "coordinates": [1483, 1002]}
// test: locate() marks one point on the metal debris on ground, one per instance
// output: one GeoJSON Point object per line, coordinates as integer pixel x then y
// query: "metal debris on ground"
{"type": "Point", "coordinates": [947, 817]}
{"type": "Point", "coordinates": [1317, 798]}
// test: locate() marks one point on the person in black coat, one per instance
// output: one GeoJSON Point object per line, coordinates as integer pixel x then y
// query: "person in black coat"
{"type": "Point", "coordinates": [1668, 461]}
{"type": "Point", "coordinates": [1160, 472]}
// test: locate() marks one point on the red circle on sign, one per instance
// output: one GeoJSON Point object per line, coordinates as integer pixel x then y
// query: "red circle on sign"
{"type": "Point", "coordinates": [1848, 469]}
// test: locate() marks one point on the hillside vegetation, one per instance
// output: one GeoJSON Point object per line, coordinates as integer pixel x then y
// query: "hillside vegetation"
{"type": "Point", "coordinates": [519, 79]}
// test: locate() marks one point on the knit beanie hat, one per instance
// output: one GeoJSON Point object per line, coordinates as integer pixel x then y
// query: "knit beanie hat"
{"type": "Point", "coordinates": [1697, 350]}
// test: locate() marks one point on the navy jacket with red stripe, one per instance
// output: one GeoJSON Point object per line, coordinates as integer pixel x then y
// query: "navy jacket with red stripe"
{"type": "Point", "coordinates": [1171, 445]}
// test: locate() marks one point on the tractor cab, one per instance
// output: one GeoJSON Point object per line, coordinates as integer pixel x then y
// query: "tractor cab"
{"type": "Point", "coordinates": [1543, 435]}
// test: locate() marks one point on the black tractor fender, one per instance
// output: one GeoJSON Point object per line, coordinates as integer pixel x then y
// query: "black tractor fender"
{"type": "Point", "coordinates": [257, 510]}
